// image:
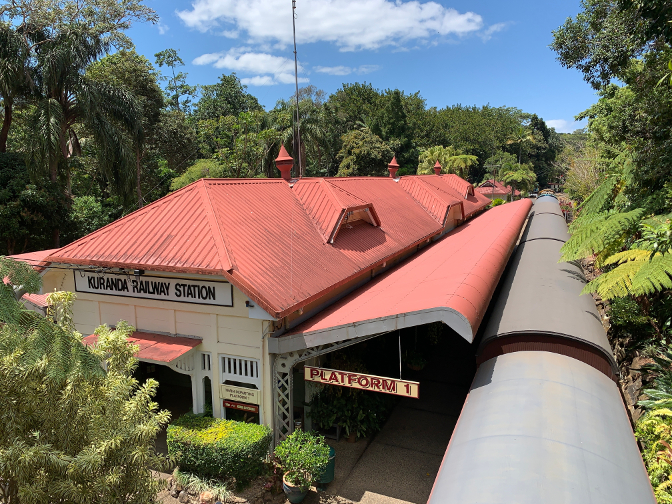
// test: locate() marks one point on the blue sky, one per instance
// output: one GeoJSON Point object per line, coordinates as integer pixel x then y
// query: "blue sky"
{"type": "Point", "coordinates": [470, 52]}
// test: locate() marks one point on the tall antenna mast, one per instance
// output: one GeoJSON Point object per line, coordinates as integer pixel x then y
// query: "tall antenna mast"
{"type": "Point", "coordinates": [296, 81]}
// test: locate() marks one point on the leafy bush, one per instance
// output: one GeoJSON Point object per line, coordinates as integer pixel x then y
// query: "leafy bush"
{"type": "Point", "coordinates": [654, 431]}
{"type": "Point", "coordinates": [497, 202]}
{"type": "Point", "coordinates": [361, 412]}
{"type": "Point", "coordinates": [213, 447]}
{"type": "Point", "coordinates": [304, 457]}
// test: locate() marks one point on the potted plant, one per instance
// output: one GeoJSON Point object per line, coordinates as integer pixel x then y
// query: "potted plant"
{"type": "Point", "coordinates": [304, 457]}
{"type": "Point", "coordinates": [415, 361]}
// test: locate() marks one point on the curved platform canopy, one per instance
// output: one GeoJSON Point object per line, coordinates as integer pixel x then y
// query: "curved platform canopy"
{"type": "Point", "coordinates": [541, 427]}
{"type": "Point", "coordinates": [545, 226]}
{"type": "Point", "coordinates": [451, 281]}
{"type": "Point", "coordinates": [547, 204]}
{"type": "Point", "coordinates": [538, 295]}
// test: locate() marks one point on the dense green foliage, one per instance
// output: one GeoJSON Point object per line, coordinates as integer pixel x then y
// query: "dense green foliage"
{"type": "Point", "coordinates": [69, 430]}
{"type": "Point", "coordinates": [213, 447]}
{"type": "Point", "coordinates": [304, 457]}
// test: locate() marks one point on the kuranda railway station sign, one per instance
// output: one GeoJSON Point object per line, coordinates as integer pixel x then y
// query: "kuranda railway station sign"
{"type": "Point", "coordinates": [154, 287]}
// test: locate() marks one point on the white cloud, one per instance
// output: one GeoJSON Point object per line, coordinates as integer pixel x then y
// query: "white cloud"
{"type": "Point", "coordinates": [563, 126]}
{"type": "Point", "coordinates": [345, 70]}
{"type": "Point", "coordinates": [230, 33]}
{"type": "Point", "coordinates": [490, 30]}
{"type": "Point", "coordinates": [270, 69]}
{"type": "Point", "coordinates": [350, 24]}
{"type": "Point", "coordinates": [259, 80]}
{"type": "Point", "coordinates": [163, 28]}
{"type": "Point", "coordinates": [335, 70]}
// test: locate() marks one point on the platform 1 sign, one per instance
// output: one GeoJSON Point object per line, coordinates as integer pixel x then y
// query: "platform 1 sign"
{"type": "Point", "coordinates": [362, 381]}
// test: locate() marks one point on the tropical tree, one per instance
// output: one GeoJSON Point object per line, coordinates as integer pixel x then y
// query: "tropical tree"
{"type": "Point", "coordinates": [228, 97]}
{"type": "Point", "coordinates": [520, 177]}
{"type": "Point", "coordinates": [129, 70]}
{"type": "Point", "coordinates": [177, 86]}
{"type": "Point", "coordinates": [521, 136]}
{"type": "Point", "coordinates": [13, 79]}
{"type": "Point", "coordinates": [75, 426]}
{"type": "Point", "coordinates": [363, 153]}
{"type": "Point", "coordinates": [451, 160]}
{"type": "Point", "coordinates": [70, 103]}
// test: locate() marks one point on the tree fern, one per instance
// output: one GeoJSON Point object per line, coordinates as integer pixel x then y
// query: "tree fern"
{"type": "Point", "coordinates": [606, 233]}
{"type": "Point", "coordinates": [654, 275]}
{"type": "Point", "coordinates": [600, 197]}
{"type": "Point", "coordinates": [618, 282]}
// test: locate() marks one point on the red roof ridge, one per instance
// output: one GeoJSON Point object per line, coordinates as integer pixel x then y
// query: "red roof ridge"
{"type": "Point", "coordinates": [225, 256]}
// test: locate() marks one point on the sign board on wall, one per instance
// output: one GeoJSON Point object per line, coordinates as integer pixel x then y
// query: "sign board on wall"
{"type": "Point", "coordinates": [241, 406]}
{"type": "Point", "coordinates": [362, 381]}
{"type": "Point", "coordinates": [244, 394]}
{"type": "Point", "coordinates": [177, 290]}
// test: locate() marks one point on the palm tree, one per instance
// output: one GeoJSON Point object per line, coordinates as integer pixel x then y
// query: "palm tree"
{"type": "Point", "coordinates": [13, 59]}
{"type": "Point", "coordinates": [69, 103]}
{"type": "Point", "coordinates": [452, 160]}
{"type": "Point", "coordinates": [521, 136]}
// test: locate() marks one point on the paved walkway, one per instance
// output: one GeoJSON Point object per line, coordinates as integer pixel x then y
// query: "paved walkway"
{"type": "Point", "coordinates": [402, 461]}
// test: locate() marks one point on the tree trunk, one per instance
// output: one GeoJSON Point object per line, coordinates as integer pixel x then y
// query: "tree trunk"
{"type": "Point", "coordinates": [137, 176]}
{"type": "Point", "coordinates": [6, 123]}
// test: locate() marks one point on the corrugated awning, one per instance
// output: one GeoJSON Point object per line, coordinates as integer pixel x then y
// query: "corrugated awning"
{"type": "Point", "coordinates": [451, 281]}
{"type": "Point", "coordinates": [156, 347]}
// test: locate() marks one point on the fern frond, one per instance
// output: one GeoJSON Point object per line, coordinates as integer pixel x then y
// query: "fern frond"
{"type": "Point", "coordinates": [605, 233]}
{"type": "Point", "coordinates": [654, 275]}
{"type": "Point", "coordinates": [628, 255]}
{"type": "Point", "coordinates": [584, 220]}
{"type": "Point", "coordinates": [615, 283]}
{"type": "Point", "coordinates": [600, 197]}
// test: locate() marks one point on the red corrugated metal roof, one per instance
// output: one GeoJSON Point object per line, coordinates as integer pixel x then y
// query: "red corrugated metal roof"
{"type": "Point", "coordinates": [266, 237]}
{"type": "Point", "coordinates": [472, 202]}
{"type": "Point", "coordinates": [175, 233]}
{"type": "Point", "coordinates": [436, 203]}
{"type": "Point", "coordinates": [156, 347]}
{"type": "Point", "coordinates": [463, 187]}
{"type": "Point", "coordinates": [36, 299]}
{"type": "Point", "coordinates": [458, 273]}
{"type": "Point", "coordinates": [326, 204]}
{"type": "Point", "coordinates": [499, 188]}
{"type": "Point", "coordinates": [35, 259]}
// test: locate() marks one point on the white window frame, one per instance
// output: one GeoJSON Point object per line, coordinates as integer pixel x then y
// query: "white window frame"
{"type": "Point", "coordinates": [240, 369]}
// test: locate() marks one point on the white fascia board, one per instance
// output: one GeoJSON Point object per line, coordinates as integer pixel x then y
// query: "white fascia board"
{"type": "Point", "coordinates": [309, 339]}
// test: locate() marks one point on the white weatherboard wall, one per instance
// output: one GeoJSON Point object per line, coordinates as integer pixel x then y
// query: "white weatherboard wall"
{"type": "Point", "coordinates": [224, 330]}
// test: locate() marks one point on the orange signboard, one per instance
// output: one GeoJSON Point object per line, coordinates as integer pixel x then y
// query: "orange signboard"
{"type": "Point", "coordinates": [362, 381]}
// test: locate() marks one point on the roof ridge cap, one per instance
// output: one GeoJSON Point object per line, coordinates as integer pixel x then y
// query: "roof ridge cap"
{"type": "Point", "coordinates": [332, 186]}
{"type": "Point", "coordinates": [222, 250]}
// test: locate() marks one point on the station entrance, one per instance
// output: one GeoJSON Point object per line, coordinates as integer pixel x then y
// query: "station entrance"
{"type": "Point", "coordinates": [400, 441]}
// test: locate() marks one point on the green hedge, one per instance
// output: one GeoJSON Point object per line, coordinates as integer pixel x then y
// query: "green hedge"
{"type": "Point", "coordinates": [213, 447]}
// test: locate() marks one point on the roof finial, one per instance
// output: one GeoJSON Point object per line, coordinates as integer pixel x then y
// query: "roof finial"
{"type": "Point", "coordinates": [284, 163]}
{"type": "Point", "coordinates": [437, 168]}
{"type": "Point", "coordinates": [393, 167]}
